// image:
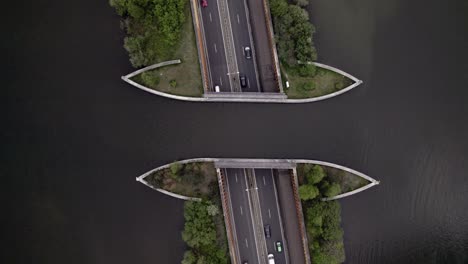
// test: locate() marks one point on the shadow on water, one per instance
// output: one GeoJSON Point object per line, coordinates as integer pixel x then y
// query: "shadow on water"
{"type": "Point", "coordinates": [75, 136]}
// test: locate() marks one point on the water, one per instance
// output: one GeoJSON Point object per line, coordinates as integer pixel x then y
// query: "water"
{"type": "Point", "coordinates": [75, 136]}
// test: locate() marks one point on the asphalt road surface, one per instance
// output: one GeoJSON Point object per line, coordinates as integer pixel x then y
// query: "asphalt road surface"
{"type": "Point", "coordinates": [242, 213]}
{"type": "Point", "coordinates": [237, 185]}
{"type": "Point", "coordinates": [242, 39]}
{"type": "Point", "coordinates": [270, 212]}
{"type": "Point", "coordinates": [215, 47]}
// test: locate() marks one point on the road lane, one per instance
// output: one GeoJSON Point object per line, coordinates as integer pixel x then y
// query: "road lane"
{"type": "Point", "coordinates": [237, 185]}
{"type": "Point", "coordinates": [270, 212]}
{"type": "Point", "coordinates": [242, 39]}
{"type": "Point", "coordinates": [215, 47]}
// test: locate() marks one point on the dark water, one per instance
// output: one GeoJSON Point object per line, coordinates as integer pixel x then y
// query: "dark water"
{"type": "Point", "coordinates": [74, 136]}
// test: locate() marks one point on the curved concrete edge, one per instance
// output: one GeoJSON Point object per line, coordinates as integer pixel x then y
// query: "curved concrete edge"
{"type": "Point", "coordinates": [151, 67]}
{"type": "Point", "coordinates": [372, 181]}
{"type": "Point", "coordinates": [127, 79]}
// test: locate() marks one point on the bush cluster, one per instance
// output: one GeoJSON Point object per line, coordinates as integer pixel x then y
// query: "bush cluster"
{"type": "Point", "coordinates": [293, 33]}
{"type": "Point", "coordinates": [153, 28]}
{"type": "Point", "coordinates": [322, 218]}
{"type": "Point", "coordinates": [200, 235]}
{"type": "Point", "coordinates": [316, 183]}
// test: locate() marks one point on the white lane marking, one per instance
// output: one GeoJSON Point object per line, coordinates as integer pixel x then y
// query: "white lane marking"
{"type": "Point", "coordinates": [216, 50]}
{"type": "Point", "coordinates": [248, 83]}
{"type": "Point", "coordinates": [211, 20]}
{"type": "Point", "coordinates": [234, 173]}
{"type": "Point", "coordinates": [264, 182]}
{"type": "Point", "coordinates": [221, 81]}
{"type": "Point", "coordinates": [269, 213]}
{"type": "Point", "coordinates": [246, 243]}
{"type": "Point", "coordinates": [238, 20]}
{"type": "Point", "coordinates": [242, 212]}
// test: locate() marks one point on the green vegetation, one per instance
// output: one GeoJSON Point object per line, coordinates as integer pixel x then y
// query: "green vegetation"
{"type": "Point", "coordinates": [192, 179]}
{"type": "Point", "coordinates": [322, 83]}
{"type": "Point", "coordinates": [296, 51]}
{"type": "Point", "coordinates": [293, 33]}
{"type": "Point", "coordinates": [323, 218]}
{"type": "Point", "coordinates": [323, 225]}
{"type": "Point", "coordinates": [204, 231]}
{"type": "Point", "coordinates": [161, 30]}
{"type": "Point", "coordinates": [153, 28]}
{"type": "Point", "coordinates": [206, 244]}
{"type": "Point", "coordinates": [328, 181]}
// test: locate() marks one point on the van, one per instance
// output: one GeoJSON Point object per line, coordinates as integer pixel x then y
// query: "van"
{"type": "Point", "coordinates": [217, 88]}
{"type": "Point", "coordinates": [267, 231]}
{"type": "Point", "coordinates": [271, 259]}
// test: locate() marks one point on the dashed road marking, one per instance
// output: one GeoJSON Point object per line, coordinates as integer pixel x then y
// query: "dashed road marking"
{"type": "Point", "coordinates": [216, 50]}
{"type": "Point", "coordinates": [269, 213]}
{"type": "Point", "coordinates": [238, 20]}
{"type": "Point", "coordinates": [242, 212]}
{"type": "Point", "coordinates": [211, 20]}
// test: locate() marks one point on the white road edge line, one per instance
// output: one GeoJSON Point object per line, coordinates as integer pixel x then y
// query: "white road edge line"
{"type": "Point", "coordinates": [232, 215]}
{"type": "Point", "coordinates": [252, 218]}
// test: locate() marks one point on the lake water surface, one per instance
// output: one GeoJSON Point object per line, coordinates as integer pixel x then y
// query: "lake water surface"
{"type": "Point", "coordinates": [74, 136]}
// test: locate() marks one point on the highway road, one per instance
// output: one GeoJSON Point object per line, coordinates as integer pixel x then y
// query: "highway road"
{"type": "Point", "coordinates": [237, 185]}
{"type": "Point", "coordinates": [270, 212]}
{"type": "Point", "coordinates": [242, 191]}
{"type": "Point", "coordinates": [215, 47]}
{"type": "Point", "coordinates": [243, 38]}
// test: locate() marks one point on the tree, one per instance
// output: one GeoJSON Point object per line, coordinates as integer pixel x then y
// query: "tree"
{"type": "Point", "coordinates": [176, 167]}
{"type": "Point", "coordinates": [308, 192]}
{"type": "Point", "coordinates": [199, 229]}
{"type": "Point", "coordinates": [189, 257]}
{"type": "Point", "coordinates": [332, 189]}
{"type": "Point", "coordinates": [212, 210]}
{"type": "Point", "coordinates": [315, 174]}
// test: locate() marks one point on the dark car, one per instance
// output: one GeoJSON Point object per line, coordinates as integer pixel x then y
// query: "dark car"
{"type": "Point", "coordinates": [243, 80]}
{"type": "Point", "coordinates": [267, 231]}
{"type": "Point", "coordinates": [248, 52]}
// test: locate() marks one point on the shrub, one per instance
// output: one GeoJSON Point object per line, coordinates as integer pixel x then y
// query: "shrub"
{"type": "Point", "coordinates": [150, 79]}
{"type": "Point", "coordinates": [173, 83]}
{"type": "Point", "coordinates": [306, 86]}
{"type": "Point", "coordinates": [308, 192]}
{"type": "Point", "coordinates": [307, 70]}
{"type": "Point", "coordinates": [339, 85]}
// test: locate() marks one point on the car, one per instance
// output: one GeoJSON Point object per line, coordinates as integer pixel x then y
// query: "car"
{"type": "Point", "coordinates": [248, 52]}
{"type": "Point", "coordinates": [279, 246]}
{"type": "Point", "coordinates": [267, 231]}
{"type": "Point", "coordinates": [271, 259]}
{"type": "Point", "coordinates": [243, 80]}
{"type": "Point", "coordinates": [204, 3]}
{"type": "Point", "coordinates": [217, 88]}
